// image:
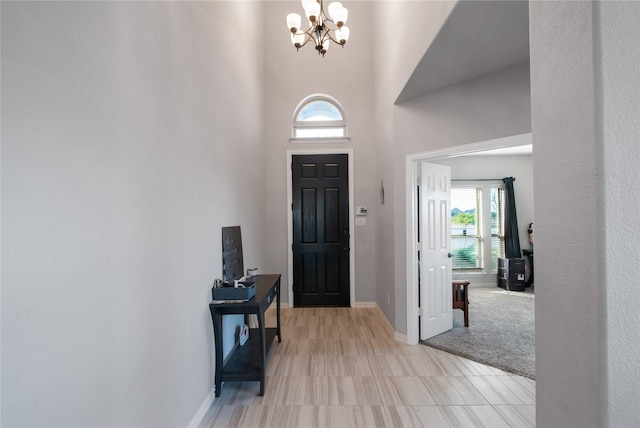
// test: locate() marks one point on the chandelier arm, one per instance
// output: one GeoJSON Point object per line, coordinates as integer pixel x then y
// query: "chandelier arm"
{"type": "Point", "coordinates": [307, 39]}
{"type": "Point", "coordinates": [327, 35]}
{"type": "Point", "coordinates": [332, 27]}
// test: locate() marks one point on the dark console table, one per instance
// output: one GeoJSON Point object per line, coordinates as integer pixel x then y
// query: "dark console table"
{"type": "Point", "coordinates": [248, 362]}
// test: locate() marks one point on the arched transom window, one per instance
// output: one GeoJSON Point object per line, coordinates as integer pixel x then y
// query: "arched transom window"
{"type": "Point", "coordinates": [319, 117]}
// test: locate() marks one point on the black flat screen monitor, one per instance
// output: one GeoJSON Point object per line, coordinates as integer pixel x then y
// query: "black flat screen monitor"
{"type": "Point", "coordinates": [232, 258]}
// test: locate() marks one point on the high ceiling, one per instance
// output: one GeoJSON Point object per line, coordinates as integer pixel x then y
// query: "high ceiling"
{"type": "Point", "coordinates": [479, 37]}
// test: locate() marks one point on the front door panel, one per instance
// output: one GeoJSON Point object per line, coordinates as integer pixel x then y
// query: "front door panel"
{"type": "Point", "coordinates": [320, 230]}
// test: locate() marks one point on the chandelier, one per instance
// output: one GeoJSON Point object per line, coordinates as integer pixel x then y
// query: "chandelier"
{"type": "Point", "coordinates": [324, 27]}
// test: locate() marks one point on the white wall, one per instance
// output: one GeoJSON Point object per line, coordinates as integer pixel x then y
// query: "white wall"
{"type": "Point", "coordinates": [570, 287]}
{"type": "Point", "coordinates": [395, 60]}
{"type": "Point", "coordinates": [621, 126]}
{"type": "Point", "coordinates": [585, 124]}
{"type": "Point", "coordinates": [124, 125]}
{"type": "Point", "coordinates": [346, 74]}
{"type": "Point", "coordinates": [419, 25]}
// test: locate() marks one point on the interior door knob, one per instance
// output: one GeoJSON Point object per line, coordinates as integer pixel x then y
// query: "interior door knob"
{"type": "Point", "coordinates": [449, 255]}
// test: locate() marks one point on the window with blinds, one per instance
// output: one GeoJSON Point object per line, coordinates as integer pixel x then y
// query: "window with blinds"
{"type": "Point", "coordinates": [497, 226]}
{"type": "Point", "coordinates": [466, 236]}
{"type": "Point", "coordinates": [477, 225]}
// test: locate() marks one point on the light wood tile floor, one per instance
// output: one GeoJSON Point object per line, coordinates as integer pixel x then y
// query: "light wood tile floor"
{"type": "Point", "coordinates": [341, 367]}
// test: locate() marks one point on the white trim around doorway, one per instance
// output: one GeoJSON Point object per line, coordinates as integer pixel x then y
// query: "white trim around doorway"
{"type": "Point", "coordinates": [411, 167]}
{"type": "Point", "coordinates": [352, 245]}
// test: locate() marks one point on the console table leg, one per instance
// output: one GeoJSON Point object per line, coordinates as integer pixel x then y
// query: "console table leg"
{"type": "Point", "coordinates": [278, 312]}
{"type": "Point", "coordinates": [217, 332]}
{"type": "Point", "coordinates": [263, 351]}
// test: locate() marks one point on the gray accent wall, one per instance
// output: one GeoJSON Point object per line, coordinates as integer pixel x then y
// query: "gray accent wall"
{"type": "Point", "coordinates": [131, 134]}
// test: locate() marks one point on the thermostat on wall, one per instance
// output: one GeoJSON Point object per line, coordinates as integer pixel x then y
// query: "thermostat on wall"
{"type": "Point", "coordinates": [361, 210]}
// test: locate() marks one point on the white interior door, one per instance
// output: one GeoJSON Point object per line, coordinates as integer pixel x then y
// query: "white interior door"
{"type": "Point", "coordinates": [435, 256]}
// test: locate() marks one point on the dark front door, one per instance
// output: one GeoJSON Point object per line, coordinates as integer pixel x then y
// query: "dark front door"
{"type": "Point", "coordinates": [320, 230]}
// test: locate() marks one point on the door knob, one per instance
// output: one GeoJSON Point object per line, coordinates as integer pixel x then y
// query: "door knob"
{"type": "Point", "coordinates": [449, 255]}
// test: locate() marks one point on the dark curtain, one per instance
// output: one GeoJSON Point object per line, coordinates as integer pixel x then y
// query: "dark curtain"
{"type": "Point", "coordinates": [511, 237]}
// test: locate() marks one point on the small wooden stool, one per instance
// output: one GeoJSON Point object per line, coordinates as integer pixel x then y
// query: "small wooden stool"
{"type": "Point", "coordinates": [461, 298]}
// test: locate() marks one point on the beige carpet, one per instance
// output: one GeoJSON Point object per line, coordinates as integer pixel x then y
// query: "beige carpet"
{"type": "Point", "coordinates": [501, 330]}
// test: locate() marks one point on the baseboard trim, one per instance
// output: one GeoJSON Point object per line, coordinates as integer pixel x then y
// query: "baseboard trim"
{"type": "Point", "coordinates": [366, 305]}
{"type": "Point", "coordinates": [197, 418]}
{"type": "Point", "coordinates": [399, 337]}
{"type": "Point", "coordinates": [389, 326]}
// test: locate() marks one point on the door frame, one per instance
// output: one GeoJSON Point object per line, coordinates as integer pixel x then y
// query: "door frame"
{"type": "Point", "coordinates": [352, 244]}
{"type": "Point", "coordinates": [412, 167]}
